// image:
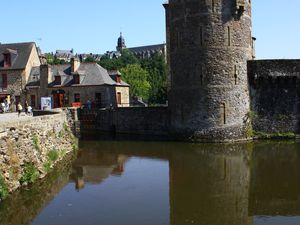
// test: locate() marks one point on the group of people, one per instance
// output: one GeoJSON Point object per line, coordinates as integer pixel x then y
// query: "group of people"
{"type": "Point", "coordinates": [5, 105]}
{"type": "Point", "coordinates": [28, 109]}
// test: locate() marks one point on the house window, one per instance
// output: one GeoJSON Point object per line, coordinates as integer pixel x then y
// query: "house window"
{"type": "Point", "coordinates": [4, 81]}
{"type": "Point", "coordinates": [76, 97]}
{"type": "Point", "coordinates": [76, 79]}
{"type": "Point", "coordinates": [7, 60]}
{"type": "Point", "coordinates": [57, 80]}
{"type": "Point", "coordinates": [98, 99]}
{"type": "Point", "coordinates": [119, 98]}
{"type": "Point", "coordinates": [32, 100]}
{"type": "Point", "coordinates": [118, 79]}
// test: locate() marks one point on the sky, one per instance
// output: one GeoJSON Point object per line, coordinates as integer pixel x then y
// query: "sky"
{"type": "Point", "coordinates": [93, 26]}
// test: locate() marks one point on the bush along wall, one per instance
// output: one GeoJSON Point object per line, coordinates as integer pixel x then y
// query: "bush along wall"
{"type": "Point", "coordinates": [30, 149]}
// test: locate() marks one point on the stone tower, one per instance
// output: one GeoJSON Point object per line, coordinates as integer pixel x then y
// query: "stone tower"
{"type": "Point", "coordinates": [209, 43]}
{"type": "Point", "coordinates": [121, 43]}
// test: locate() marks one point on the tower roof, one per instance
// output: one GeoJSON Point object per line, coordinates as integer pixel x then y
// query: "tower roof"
{"type": "Point", "coordinates": [121, 42]}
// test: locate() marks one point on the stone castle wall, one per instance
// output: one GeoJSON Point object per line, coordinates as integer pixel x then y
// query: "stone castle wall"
{"type": "Point", "coordinates": [275, 95]}
{"type": "Point", "coordinates": [129, 121]}
{"type": "Point", "coordinates": [210, 43]}
{"type": "Point", "coordinates": [28, 141]}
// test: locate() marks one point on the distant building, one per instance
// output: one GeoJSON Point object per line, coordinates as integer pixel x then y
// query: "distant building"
{"type": "Point", "coordinates": [93, 57]}
{"type": "Point", "coordinates": [78, 84]}
{"type": "Point", "coordinates": [142, 52]}
{"type": "Point", "coordinates": [65, 55]}
{"type": "Point", "coordinates": [17, 61]}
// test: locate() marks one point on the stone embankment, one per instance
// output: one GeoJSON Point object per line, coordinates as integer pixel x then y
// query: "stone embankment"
{"type": "Point", "coordinates": [30, 147]}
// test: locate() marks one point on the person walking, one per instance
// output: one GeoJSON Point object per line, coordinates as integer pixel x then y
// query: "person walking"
{"type": "Point", "coordinates": [26, 107]}
{"type": "Point", "coordinates": [19, 108]}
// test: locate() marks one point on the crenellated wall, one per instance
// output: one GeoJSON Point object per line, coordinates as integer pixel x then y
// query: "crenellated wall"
{"type": "Point", "coordinates": [275, 95]}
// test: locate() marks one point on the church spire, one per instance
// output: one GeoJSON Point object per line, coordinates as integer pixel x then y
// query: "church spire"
{"type": "Point", "coordinates": [121, 43]}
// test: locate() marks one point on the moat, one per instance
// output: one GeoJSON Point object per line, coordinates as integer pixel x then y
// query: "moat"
{"type": "Point", "coordinates": [146, 183]}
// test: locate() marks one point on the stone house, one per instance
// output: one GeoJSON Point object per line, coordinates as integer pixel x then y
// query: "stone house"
{"type": "Point", "coordinates": [16, 64]}
{"type": "Point", "coordinates": [77, 83]}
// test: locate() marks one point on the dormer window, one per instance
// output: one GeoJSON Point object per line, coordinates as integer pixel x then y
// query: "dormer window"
{"type": "Point", "coordinates": [57, 80]}
{"type": "Point", "coordinates": [7, 60]}
{"type": "Point", "coordinates": [76, 79]}
{"type": "Point", "coordinates": [118, 79]}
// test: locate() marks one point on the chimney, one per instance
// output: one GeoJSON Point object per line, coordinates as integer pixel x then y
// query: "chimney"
{"type": "Point", "coordinates": [75, 63]}
{"type": "Point", "coordinates": [45, 79]}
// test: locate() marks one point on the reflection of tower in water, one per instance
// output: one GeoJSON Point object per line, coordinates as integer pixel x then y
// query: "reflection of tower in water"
{"type": "Point", "coordinates": [210, 187]}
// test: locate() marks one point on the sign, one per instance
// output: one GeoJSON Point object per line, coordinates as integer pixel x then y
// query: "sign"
{"type": "Point", "coordinates": [46, 103]}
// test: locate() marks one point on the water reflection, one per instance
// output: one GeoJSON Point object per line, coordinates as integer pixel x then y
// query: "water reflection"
{"type": "Point", "coordinates": [137, 183]}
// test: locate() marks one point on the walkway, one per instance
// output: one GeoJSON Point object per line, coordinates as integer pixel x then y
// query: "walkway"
{"type": "Point", "coordinates": [12, 117]}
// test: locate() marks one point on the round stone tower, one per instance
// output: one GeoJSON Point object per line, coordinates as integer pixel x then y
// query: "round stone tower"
{"type": "Point", "coordinates": [209, 43]}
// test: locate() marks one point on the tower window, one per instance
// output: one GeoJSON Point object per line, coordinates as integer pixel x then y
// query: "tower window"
{"type": "Point", "coordinates": [223, 113]}
{"type": "Point", "coordinates": [229, 36]}
{"type": "Point", "coordinates": [201, 36]}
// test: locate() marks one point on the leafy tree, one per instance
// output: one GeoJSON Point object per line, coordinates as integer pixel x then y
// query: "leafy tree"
{"type": "Point", "coordinates": [137, 77]}
{"type": "Point", "coordinates": [157, 69]}
{"type": "Point", "coordinates": [89, 58]}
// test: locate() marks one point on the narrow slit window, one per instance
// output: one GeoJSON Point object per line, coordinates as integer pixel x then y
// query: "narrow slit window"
{"type": "Point", "coordinates": [201, 36]}
{"type": "Point", "coordinates": [235, 75]}
{"type": "Point", "coordinates": [229, 36]}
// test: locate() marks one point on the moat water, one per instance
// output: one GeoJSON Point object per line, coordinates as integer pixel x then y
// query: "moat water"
{"type": "Point", "coordinates": [145, 183]}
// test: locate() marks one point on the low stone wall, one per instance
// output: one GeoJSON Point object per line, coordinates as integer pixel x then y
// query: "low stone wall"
{"type": "Point", "coordinates": [275, 95]}
{"type": "Point", "coordinates": [146, 121]}
{"type": "Point", "coordinates": [31, 146]}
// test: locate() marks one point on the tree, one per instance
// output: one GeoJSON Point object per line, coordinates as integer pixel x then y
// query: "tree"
{"type": "Point", "coordinates": [89, 58]}
{"type": "Point", "coordinates": [137, 78]}
{"type": "Point", "coordinates": [157, 69]}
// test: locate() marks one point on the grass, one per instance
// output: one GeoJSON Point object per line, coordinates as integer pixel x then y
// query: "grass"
{"type": "Point", "coordinates": [3, 188]}
{"type": "Point", "coordinates": [36, 143]}
{"type": "Point", "coordinates": [53, 155]}
{"type": "Point", "coordinates": [276, 135]}
{"type": "Point", "coordinates": [47, 166]}
{"type": "Point", "coordinates": [30, 174]}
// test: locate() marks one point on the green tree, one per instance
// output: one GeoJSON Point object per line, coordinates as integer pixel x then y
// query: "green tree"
{"type": "Point", "coordinates": [89, 58]}
{"type": "Point", "coordinates": [137, 78]}
{"type": "Point", "coordinates": [157, 69]}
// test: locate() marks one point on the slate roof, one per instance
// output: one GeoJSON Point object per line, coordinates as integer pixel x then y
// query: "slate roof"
{"type": "Point", "coordinates": [34, 77]}
{"type": "Point", "coordinates": [90, 74]}
{"type": "Point", "coordinates": [20, 50]}
{"type": "Point", "coordinates": [150, 48]}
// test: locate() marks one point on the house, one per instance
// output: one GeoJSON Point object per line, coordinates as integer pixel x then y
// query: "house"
{"type": "Point", "coordinates": [76, 84]}
{"type": "Point", "coordinates": [64, 55]}
{"type": "Point", "coordinates": [16, 64]}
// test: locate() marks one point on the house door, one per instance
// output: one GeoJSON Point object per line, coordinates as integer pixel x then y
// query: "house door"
{"type": "Point", "coordinates": [58, 100]}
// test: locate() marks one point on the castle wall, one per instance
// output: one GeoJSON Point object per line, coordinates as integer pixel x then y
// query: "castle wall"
{"type": "Point", "coordinates": [210, 43]}
{"type": "Point", "coordinates": [128, 121]}
{"type": "Point", "coordinates": [275, 95]}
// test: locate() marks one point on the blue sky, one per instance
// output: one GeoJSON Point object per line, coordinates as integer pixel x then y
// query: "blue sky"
{"type": "Point", "coordinates": [94, 25]}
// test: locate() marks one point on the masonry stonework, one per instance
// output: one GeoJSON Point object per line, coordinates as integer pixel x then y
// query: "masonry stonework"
{"type": "Point", "coordinates": [29, 141]}
{"type": "Point", "coordinates": [210, 43]}
{"type": "Point", "coordinates": [275, 95]}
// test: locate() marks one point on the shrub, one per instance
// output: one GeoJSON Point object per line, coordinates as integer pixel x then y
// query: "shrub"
{"type": "Point", "coordinates": [30, 174]}
{"type": "Point", "coordinates": [3, 188]}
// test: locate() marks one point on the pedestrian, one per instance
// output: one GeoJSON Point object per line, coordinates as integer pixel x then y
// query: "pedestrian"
{"type": "Point", "coordinates": [89, 104]}
{"type": "Point", "coordinates": [26, 107]}
{"type": "Point", "coordinates": [19, 108]}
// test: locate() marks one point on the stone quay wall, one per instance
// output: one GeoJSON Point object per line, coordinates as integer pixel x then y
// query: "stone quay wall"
{"type": "Point", "coordinates": [30, 147]}
{"type": "Point", "coordinates": [148, 121]}
{"type": "Point", "coordinates": [275, 95]}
